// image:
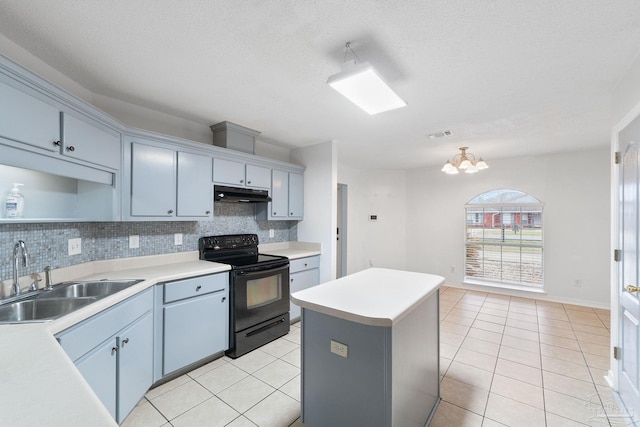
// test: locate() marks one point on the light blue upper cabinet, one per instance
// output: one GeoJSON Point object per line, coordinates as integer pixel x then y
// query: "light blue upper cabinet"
{"type": "Point", "coordinates": [27, 119]}
{"type": "Point", "coordinates": [228, 172]}
{"type": "Point", "coordinates": [296, 195]}
{"type": "Point", "coordinates": [287, 194]}
{"type": "Point", "coordinates": [153, 181]}
{"type": "Point", "coordinates": [195, 196]}
{"type": "Point", "coordinates": [87, 140]}
{"type": "Point", "coordinates": [279, 195]}
{"type": "Point", "coordinates": [258, 177]}
{"type": "Point", "coordinates": [43, 126]}
{"type": "Point", "coordinates": [166, 183]}
{"type": "Point", "coordinates": [239, 174]}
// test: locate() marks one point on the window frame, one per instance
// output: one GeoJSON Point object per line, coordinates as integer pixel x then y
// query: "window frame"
{"type": "Point", "coordinates": [491, 201]}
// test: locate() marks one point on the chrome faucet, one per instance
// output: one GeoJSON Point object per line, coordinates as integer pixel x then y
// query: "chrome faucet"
{"type": "Point", "coordinates": [19, 249]}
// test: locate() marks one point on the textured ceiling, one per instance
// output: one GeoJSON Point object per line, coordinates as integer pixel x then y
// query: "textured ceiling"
{"type": "Point", "coordinates": [509, 77]}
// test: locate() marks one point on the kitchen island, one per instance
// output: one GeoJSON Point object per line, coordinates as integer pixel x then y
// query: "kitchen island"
{"type": "Point", "coordinates": [370, 349]}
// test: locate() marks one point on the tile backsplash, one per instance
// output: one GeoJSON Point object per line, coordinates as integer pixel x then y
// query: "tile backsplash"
{"type": "Point", "coordinates": [47, 243]}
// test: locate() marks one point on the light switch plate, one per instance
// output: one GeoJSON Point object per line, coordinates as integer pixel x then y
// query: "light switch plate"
{"type": "Point", "coordinates": [177, 239]}
{"type": "Point", "coordinates": [75, 246]}
{"type": "Point", "coordinates": [272, 232]}
{"type": "Point", "coordinates": [340, 349]}
{"type": "Point", "coordinates": [134, 241]}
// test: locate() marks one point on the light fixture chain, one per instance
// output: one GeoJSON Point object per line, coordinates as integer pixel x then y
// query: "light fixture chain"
{"type": "Point", "coordinates": [346, 51]}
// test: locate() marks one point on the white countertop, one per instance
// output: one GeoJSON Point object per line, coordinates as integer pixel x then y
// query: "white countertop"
{"type": "Point", "coordinates": [375, 297]}
{"type": "Point", "coordinates": [40, 384]}
{"type": "Point", "coordinates": [292, 250]}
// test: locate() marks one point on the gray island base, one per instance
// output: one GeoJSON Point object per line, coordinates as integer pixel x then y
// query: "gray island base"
{"type": "Point", "coordinates": [370, 350]}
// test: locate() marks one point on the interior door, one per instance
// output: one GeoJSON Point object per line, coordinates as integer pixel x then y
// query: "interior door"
{"type": "Point", "coordinates": [628, 297]}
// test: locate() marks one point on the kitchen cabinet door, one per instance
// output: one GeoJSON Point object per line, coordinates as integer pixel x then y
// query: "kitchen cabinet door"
{"type": "Point", "coordinates": [91, 142]}
{"type": "Point", "coordinates": [300, 280]}
{"type": "Point", "coordinates": [279, 194]}
{"type": "Point", "coordinates": [153, 181]}
{"type": "Point", "coordinates": [27, 119]}
{"type": "Point", "coordinates": [296, 195]}
{"type": "Point", "coordinates": [258, 177]}
{"type": "Point", "coordinates": [135, 364]}
{"type": "Point", "coordinates": [99, 370]}
{"type": "Point", "coordinates": [195, 190]}
{"type": "Point", "coordinates": [195, 328]}
{"type": "Point", "coordinates": [228, 172]}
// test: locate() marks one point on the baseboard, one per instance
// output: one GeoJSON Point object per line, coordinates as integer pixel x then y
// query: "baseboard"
{"type": "Point", "coordinates": [530, 295]}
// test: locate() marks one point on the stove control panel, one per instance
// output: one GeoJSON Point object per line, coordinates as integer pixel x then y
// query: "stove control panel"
{"type": "Point", "coordinates": [229, 241]}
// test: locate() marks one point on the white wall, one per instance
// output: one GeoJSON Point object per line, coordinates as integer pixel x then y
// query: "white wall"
{"type": "Point", "coordinates": [574, 188]}
{"type": "Point", "coordinates": [320, 202]}
{"type": "Point", "coordinates": [375, 192]}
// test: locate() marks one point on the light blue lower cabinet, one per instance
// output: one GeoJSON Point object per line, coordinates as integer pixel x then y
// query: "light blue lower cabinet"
{"type": "Point", "coordinates": [99, 369]}
{"type": "Point", "coordinates": [191, 323]}
{"type": "Point", "coordinates": [303, 273]}
{"type": "Point", "coordinates": [194, 329]}
{"type": "Point", "coordinates": [113, 351]}
{"type": "Point", "coordinates": [135, 366]}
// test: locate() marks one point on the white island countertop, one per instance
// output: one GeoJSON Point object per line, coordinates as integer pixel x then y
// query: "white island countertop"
{"type": "Point", "coordinates": [375, 297]}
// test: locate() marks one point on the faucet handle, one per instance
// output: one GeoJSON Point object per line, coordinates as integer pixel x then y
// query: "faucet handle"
{"type": "Point", "coordinates": [34, 284]}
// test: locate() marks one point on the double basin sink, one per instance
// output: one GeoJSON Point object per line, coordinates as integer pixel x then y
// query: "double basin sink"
{"type": "Point", "coordinates": [62, 299]}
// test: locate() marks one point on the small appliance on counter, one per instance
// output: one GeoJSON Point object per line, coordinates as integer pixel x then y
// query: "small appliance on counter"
{"type": "Point", "coordinates": [259, 290]}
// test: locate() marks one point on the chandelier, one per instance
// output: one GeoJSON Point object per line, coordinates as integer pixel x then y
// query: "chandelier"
{"type": "Point", "coordinates": [465, 162]}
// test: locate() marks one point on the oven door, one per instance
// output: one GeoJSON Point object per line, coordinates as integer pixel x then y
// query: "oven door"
{"type": "Point", "coordinates": [260, 295]}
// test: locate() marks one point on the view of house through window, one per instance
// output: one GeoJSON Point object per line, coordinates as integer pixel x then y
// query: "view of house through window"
{"type": "Point", "coordinates": [504, 239]}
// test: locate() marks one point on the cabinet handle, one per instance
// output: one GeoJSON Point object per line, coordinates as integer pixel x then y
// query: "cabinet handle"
{"type": "Point", "coordinates": [305, 264]}
{"type": "Point", "coordinates": [275, 213]}
{"type": "Point", "coordinates": [57, 143]}
{"type": "Point", "coordinates": [223, 299]}
{"type": "Point", "coordinates": [207, 212]}
{"type": "Point", "coordinates": [125, 341]}
{"type": "Point", "coordinates": [170, 211]}
{"type": "Point", "coordinates": [114, 350]}
{"type": "Point", "coordinates": [198, 287]}
{"type": "Point", "coordinates": [241, 181]}
{"type": "Point", "coordinates": [291, 280]}
{"type": "Point", "coordinates": [248, 182]}
{"type": "Point", "coordinates": [71, 148]}
{"type": "Point", "coordinates": [291, 214]}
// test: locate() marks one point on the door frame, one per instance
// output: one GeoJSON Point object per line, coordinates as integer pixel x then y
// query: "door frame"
{"type": "Point", "coordinates": [612, 375]}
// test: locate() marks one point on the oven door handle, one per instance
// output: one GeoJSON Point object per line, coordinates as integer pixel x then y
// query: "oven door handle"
{"type": "Point", "coordinates": [258, 270]}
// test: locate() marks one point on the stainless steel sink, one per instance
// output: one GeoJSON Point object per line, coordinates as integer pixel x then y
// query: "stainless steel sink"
{"type": "Point", "coordinates": [63, 299]}
{"type": "Point", "coordinates": [41, 309]}
{"type": "Point", "coordinates": [98, 289]}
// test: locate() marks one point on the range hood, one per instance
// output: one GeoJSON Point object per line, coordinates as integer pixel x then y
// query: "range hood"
{"type": "Point", "coordinates": [239, 195]}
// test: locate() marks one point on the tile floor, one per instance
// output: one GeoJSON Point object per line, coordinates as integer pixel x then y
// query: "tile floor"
{"type": "Point", "coordinates": [504, 361]}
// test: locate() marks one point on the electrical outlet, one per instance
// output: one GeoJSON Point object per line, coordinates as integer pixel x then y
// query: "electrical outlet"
{"type": "Point", "coordinates": [75, 246]}
{"type": "Point", "coordinates": [340, 349]}
{"type": "Point", "coordinates": [177, 239]}
{"type": "Point", "coordinates": [578, 283]}
{"type": "Point", "coordinates": [134, 241]}
{"type": "Point", "coordinates": [272, 232]}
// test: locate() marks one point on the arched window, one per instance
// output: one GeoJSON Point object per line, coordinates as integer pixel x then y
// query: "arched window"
{"type": "Point", "coordinates": [504, 239]}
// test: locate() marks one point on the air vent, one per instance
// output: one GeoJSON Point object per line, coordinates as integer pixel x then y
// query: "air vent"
{"type": "Point", "coordinates": [440, 134]}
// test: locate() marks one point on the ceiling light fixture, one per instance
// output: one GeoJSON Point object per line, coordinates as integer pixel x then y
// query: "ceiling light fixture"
{"type": "Point", "coordinates": [361, 84]}
{"type": "Point", "coordinates": [465, 162]}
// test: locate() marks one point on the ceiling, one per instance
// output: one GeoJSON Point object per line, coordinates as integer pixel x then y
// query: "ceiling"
{"type": "Point", "coordinates": [508, 77]}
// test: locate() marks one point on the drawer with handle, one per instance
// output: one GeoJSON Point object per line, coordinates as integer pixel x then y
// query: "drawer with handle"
{"type": "Point", "coordinates": [301, 264]}
{"type": "Point", "coordinates": [187, 288]}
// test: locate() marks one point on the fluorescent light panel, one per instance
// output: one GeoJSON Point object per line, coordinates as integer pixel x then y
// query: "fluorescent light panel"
{"type": "Point", "coordinates": [363, 86]}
